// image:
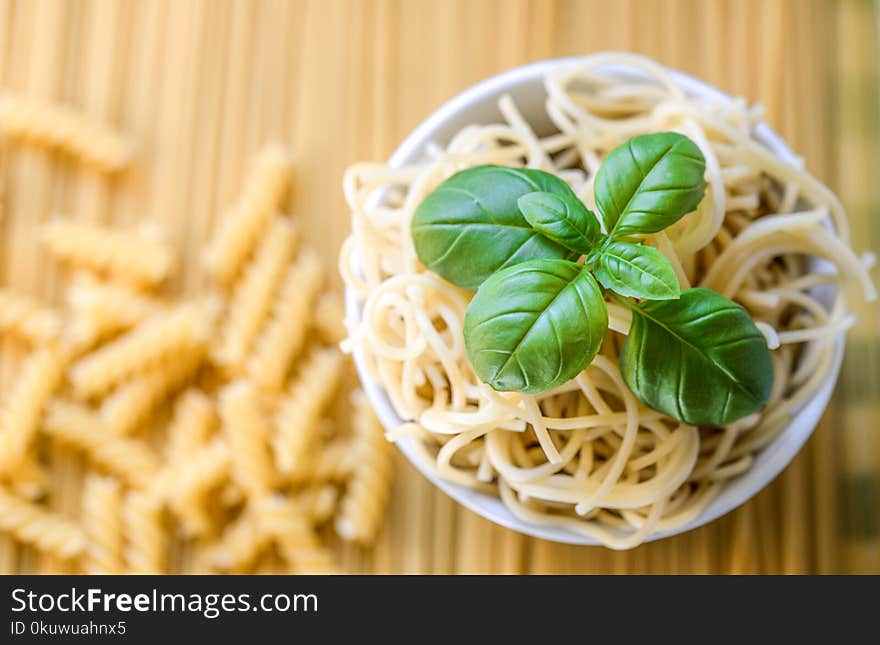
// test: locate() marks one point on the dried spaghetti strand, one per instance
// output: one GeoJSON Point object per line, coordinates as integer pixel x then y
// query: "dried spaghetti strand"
{"type": "Point", "coordinates": [64, 128]}
{"type": "Point", "coordinates": [238, 232]}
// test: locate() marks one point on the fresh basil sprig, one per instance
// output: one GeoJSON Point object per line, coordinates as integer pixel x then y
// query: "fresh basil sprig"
{"type": "Point", "coordinates": [538, 318]}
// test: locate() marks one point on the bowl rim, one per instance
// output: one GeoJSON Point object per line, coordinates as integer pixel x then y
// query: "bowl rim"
{"type": "Point", "coordinates": [770, 461]}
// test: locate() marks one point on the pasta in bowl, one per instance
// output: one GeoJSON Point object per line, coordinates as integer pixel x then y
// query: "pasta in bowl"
{"type": "Point", "coordinates": [587, 460]}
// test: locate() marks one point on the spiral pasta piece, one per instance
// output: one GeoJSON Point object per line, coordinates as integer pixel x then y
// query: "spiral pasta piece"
{"type": "Point", "coordinates": [330, 318]}
{"type": "Point", "coordinates": [335, 463]}
{"type": "Point", "coordinates": [146, 549]}
{"type": "Point", "coordinates": [247, 431]}
{"type": "Point", "coordinates": [127, 407]}
{"type": "Point", "coordinates": [186, 483]}
{"type": "Point", "coordinates": [238, 546]}
{"type": "Point", "coordinates": [103, 308]}
{"type": "Point", "coordinates": [300, 411]}
{"type": "Point", "coordinates": [63, 128]}
{"type": "Point", "coordinates": [264, 190]}
{"type": "Point", "coordinates": [319, 502]}
{"type": "Point", "coordinates": [131, 459]}
{"type": "Point", "coordinates": [47, 531]}
{"type": "Point", "coordinates": [191, 424]}
{"type": "Point", "coordinates": [362, 507]}
{"type": "Point", "coordinates": [283, 335]}
{"type": "Point", "coordinates": [126, 255]}
{"type": "Point", "coordinates": [102, 521]}
{"type": "Point", "coordinates": [20, 415]}
{"type": "Point", "coordinates": [27, 318]}
{"type": "Point", "coordinates": [295, 536]}
{"type": "Point", "coordinates": [28, 479]}
{"type": "Point", "coordinates": [252, 297]}
{"type": "Point", "coordinates": [163, 335]}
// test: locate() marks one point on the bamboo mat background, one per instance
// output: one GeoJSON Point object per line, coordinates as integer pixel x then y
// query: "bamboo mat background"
{"type": "Point", "coordinates": [202, 83]}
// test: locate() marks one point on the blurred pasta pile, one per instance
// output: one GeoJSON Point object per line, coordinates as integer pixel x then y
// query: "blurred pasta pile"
{"type": "Point", "coordinates": [149, 433]}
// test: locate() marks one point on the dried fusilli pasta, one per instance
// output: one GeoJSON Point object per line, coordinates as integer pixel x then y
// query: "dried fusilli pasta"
{"type": "Point", "coordinates": [165, 334]}
{"type": "Point", "coordinates": [185, 484]}
{"type": "Point", "coordinates": [247, 430]}
{"type": "Point", "coordinates": [252, 298]}
{"type": "Point", "coordinates": [45, 530]}
{"type": "Point", "coordinates": [300, 411]}
{"type": "Point", "coordinates": [129, 458]}
{"type": "Point", "coordinates": [238, 232]}
{"type": "Point", "coordinates": [127, 352]}
{"type": "Point", "coordinates": [319, 502]}
{"type": "Point", "coordinates": [21, 412]}
{"type": "Point", "coordinates": [330, 317]}
{"type": "Point", "coordinates": [283, 335]}
{"type": "Point", "coordinates": [146, 549]}
{"type": "Point", "coordinates": [62, 127]}
{"type": "Point", "coordinates": [28, 478]}
{"type": "Point", "coordinates": [292, 531]}
{"type": "Point", "coordinates": [335, 463]}
{"type": "Point", "coordinates": [132, 402]}
{"type": "Point", "coordinates": [191, 424]}
{"type": "Point", "coordinates": [27, 318]}
{"type": "Point", "coordinates": [102, 308]}
{"type": "Point", "coordinates": [127, 255]}
{"type": "Point", "coordinates": [102, 522]}
{"type": "Point", "coordinates": [238, 546]}
{"type": "Point", "coordinates": [364, 502]}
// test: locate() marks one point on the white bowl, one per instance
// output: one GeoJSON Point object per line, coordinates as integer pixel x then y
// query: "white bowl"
{"type": "Point", "coordinates": [478, 104]}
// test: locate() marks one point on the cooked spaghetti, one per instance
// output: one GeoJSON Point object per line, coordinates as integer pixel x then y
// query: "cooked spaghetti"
{"type": "Point", "coordinates": [588, 456]}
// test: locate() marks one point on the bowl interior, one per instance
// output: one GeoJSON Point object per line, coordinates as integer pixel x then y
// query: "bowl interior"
{"type": "Point", "coordinates": [478, 105]}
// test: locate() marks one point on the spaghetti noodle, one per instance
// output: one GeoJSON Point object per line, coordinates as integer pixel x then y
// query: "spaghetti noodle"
{"type": "Point", "coordinates": [589, 456]}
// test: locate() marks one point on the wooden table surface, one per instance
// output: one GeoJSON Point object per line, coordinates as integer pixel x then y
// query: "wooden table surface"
{"type": "Point", "coordinates": [202, 83]}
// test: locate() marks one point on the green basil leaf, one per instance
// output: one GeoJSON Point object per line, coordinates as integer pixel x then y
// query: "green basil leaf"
{"type": "Point", "coordinates": [649, 182]}
{"type": "Point", "coordinates": [700, 358]}
{"type": "Point", "coordinates": [636, 270]}
{"type": "Point", "coordinates": [562, 218]}
{"type": "Point", "coordinates": [470, 226]}
{"type": "Point", "coordinates": [535, 326]}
